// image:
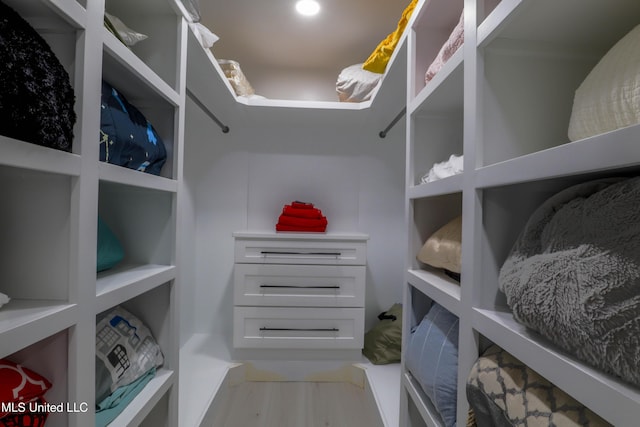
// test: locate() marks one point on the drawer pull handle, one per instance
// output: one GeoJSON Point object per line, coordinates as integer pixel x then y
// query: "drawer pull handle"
{"type": "Point", "coordinates": [300, 287]}
{"type": "Point", "coordinates": [302, 329]}
{"type": "Point", "coordinates": [267, 253]}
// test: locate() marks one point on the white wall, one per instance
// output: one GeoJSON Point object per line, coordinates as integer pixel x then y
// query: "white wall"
{"type": "Point", "coordinates": [297, 84]}
{"type": "Point", "coordinates": [241, 180]}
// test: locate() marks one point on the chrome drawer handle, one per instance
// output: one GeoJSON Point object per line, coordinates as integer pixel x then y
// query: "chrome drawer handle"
{"type": "Point", "coordinates": [267, 253]}
{"type": "Point", "coordinates": [300, 287]}
{"type": "Point", "coordinates": [302, 329]}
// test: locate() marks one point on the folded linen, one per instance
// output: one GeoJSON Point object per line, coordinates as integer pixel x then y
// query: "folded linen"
{"type": "Point", "coordinates": [301, 205]}
{"type": "Point", "coordinates": [301, 217]}
{"type": "Point", "coordinates": [110, 407]}
{"type": "Point", "coordinates": [302, 222]}
{"type": "Point", "coordinates": [282, 227]}
{"type": "Point", "coordinates": [445, 169]}
{"type": "Point", "coordinates": [301, 212]}
{"type": "Point", "coordinates": [455, 40]}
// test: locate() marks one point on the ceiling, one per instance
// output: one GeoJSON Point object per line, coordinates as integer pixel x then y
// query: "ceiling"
{"type": "Point", "coordinates": [269, 34]}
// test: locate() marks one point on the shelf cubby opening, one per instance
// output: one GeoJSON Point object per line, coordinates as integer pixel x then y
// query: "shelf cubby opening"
{"type": "Point", "coordinates": [506, 210]}
{"type": "Point", "coordinates": [436, 138]}
{"type": "Point", "coordinates": [529, 77]}
{"type": "Point", "coordinates": [431, 28]}
{"type": "Point", "coordinates": [527, 97]}
{"type": "Point", "coordinates": [153, 309]}
{"type": "Point", "coordinates": [35, 234]}
{"type": "Point", "coordinates": [49, 358]}
{"type": "Point", "coordinates": [429, 215]}
{"type": "Point", "coordinates": [497, 360]}
{"type": "Point", "coordinates": [157, 104]}
{"type": "Point", "coordinates": [584, 383]}
{"type": "Point", "coordinates": [61, 27]}
{"type": "Point", "coordinates": [444, 94]}
{"type": "Point", "coordinates": [599, 27]}
{"type": "Point", "coordinates": [160, 23]}
{"type": "Point", "coordinates": [141, 219]}
{"type": "Point", "coordinates": [419, 356]}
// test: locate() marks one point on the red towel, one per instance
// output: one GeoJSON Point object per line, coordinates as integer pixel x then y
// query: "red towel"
{"type": "Point", "coordinates": [302, 222]}
{"type": "Point", "coordinates": [301, 205]}
{"type": "Point", "coordinates": [301, 217]}
{"type": "Point", "coordinates": [280, 227]}
{"type": "Point", "coordinates": [302, 212]}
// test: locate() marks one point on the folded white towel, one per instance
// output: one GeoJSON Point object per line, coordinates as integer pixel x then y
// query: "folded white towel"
{"type": "Point", "coordinates": [451, 167]}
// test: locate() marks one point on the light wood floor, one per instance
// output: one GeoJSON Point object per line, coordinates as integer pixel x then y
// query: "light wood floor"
{"type": "Point", "coordinates": [295, 404]}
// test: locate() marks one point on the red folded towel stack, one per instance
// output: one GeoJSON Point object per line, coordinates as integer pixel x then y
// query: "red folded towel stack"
{"type": "Point", "coordinates": [301, 216]}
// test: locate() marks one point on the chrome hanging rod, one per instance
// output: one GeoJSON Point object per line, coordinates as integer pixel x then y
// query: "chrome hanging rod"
{"type": "Point", "coordinates": [194, 98]}
{"type": "Point", "coordinates": [383, 133]}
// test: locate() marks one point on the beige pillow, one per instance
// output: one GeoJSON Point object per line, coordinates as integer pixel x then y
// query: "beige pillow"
{"type": "Point", "coordinates": [442, 249]}
{"type": "Point", "coordinates": [609, 97]}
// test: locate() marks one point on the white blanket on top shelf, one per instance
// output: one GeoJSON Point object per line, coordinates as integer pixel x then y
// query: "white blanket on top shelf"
{"type": "Point", "coordinates": [355, 84]}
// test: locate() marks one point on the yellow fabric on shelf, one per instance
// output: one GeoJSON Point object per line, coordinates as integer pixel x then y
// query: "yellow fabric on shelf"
{"type": "Point", "coordinates": [377, 61]}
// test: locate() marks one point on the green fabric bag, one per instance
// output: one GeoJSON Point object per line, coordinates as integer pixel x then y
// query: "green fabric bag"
{"type": "Point", "coordinates": [383, 342]}
{"type": "Point", "coordinates": [110, 250]}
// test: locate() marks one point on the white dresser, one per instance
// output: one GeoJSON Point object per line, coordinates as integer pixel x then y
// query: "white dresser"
{"type": "Point", "coordinates": [299, 291]}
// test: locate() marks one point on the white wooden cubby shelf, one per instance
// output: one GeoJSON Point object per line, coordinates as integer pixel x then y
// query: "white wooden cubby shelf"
{"type": "Point", "coordinates": [54, 198]}
{"type": "Point", "coordinates": [504, 101]}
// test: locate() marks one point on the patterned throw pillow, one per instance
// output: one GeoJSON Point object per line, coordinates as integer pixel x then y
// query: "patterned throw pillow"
{"type": "Point", "coordinates": [502, 391]}
{"type": "Point", "coordinates": [26, 419]}
{"type": "Point", "coordinates": [19, 384]}
{"type": "Point", "coordinates": [125, 351]}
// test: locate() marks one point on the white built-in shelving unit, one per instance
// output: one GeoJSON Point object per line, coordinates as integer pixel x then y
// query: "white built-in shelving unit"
{"type": "Point", "coordinates": [504, 101]}
{"type": "Point", "coordinates": [53, 199]}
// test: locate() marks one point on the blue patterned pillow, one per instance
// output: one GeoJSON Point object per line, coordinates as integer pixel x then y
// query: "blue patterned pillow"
{"type": "Point", "coordinates": [432, 358]}
{"type": "Point", "coordinates": [126, 136]}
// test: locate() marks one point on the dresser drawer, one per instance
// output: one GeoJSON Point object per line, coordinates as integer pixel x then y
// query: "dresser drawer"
{"type": "Point", "coordinates": [298, 328]}
{"type": "Point", "coordinates": [299, 285]}
{"type": "Point", "coordinates": [284, 250]}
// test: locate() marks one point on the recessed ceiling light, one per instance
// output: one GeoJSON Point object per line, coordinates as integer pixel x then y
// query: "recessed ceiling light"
{"type": "Point", "coordinates": [308, 7]}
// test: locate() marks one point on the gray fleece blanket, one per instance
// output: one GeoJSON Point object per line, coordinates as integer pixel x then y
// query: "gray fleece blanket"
{"type": "Point", "coordinates": [573, 274]}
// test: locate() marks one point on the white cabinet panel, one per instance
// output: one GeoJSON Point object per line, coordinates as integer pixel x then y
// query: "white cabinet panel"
{"type": "Point", "coordinates": [299, 291]}
{"type": "Point", "coordinates": [281, 249]}
{"type": "Point", "coordinates": [299, 285]}
{"type": "Point", "coordinates": [298, 328]}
